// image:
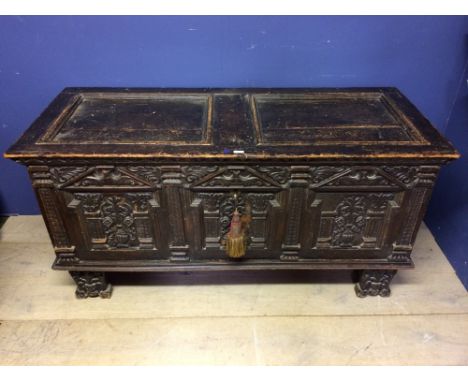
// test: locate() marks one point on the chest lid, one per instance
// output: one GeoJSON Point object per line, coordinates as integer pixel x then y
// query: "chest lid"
{"type": "Point", "coordinates": [256, 124]}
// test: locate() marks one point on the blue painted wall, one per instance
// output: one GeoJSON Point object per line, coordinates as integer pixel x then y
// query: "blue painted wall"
{"type": "Point", "coordinates": [423, 56]}
{"type": "Point", "coordinates": [447, 215]}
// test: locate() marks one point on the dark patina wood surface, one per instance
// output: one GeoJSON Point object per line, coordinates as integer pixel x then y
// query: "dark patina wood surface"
{"type": "Point", "coordinates": [148, 179]}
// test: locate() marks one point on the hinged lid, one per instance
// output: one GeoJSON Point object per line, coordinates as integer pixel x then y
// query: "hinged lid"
{"type": "Point", "coordinates": [223, 123]}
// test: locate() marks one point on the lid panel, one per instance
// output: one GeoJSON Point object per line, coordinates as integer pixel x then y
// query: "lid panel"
{"type": "Point", "coordinates": [114, 118]}
{"type": "Point", "coordinates": [297, 119]}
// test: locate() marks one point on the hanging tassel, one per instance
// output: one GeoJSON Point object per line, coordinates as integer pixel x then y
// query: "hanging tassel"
{"type": "Point", "coordinates": [235, 239]}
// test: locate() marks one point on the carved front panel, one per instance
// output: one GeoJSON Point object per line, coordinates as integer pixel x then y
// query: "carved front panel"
{"type": "Point", "coordinates": [356, 222]}
{"type": "Point", "coordinates": [115, 210]}
{"type": "Point", "coordinates": [215, 210]}
{"type": "Point", "coordinates": [117, 221]}
{"type": "Point", "coordinates": [217, 191]}
{"type": "Point", "coordinates": [183, 212]}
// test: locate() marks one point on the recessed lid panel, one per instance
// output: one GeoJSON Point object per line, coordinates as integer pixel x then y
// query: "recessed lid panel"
{"type": "Point", "coordinates": [112, 118]}
{"type": "Point", "coordinates": [330, 119]}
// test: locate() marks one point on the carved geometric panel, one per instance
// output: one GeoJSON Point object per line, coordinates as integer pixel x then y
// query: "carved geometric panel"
{"type": "Point", "coordinates": [352, 220]}
{"type": "Point", "coordinates": [117, 221]}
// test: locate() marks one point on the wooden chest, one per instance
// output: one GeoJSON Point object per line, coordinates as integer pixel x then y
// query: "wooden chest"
{"type": "Point", "coordinates": [222, 179]}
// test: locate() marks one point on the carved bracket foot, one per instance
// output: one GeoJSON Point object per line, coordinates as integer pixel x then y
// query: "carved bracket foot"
{"type": "Point", "coordinates": [91, 284]}
{"type": "Point", "coordinates": [374, 283]}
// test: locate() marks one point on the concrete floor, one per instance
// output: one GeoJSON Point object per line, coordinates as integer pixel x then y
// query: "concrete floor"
{"type": "Point", "coordinates": [254, 318]}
